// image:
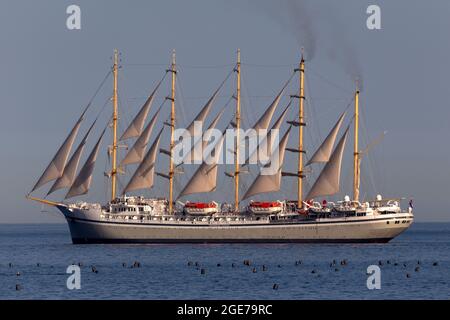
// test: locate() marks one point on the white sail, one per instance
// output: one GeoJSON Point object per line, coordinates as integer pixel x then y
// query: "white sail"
{"type": "Point", "coordinates": [195, 155]}
{"type": "Point", "coordinates": [137, 151]}
{"type": "Point", "coordinates": [328, 181]}
{"type": "Point", "coordinates": [323, 153]}
{"type": "Point", "coordinates": [144, 174]}
{"type": "Point", "coordinates": [82, 182]}
{"type": "Point", "coordinates": [136, 126]}
{"type": "Point", "coordinates": [201, 116]}
{"type": "Point", "coordinates": [70, 170]}
{"type": "Point", "coordinates": [279, 121]}
{"type": "Point", "coordinates": [264, 121]}
{"type": "Point", "coordinates": [267, 181]}
{"type": "Point", "coordinates": [205, 178]}
{"type": "Point", "coordinates": [264, 149]}
{"type": "Point", "coordinates": [56, 167]}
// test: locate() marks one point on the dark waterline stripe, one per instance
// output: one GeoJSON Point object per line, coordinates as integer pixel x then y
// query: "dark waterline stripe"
{"type": "Point", "coordinates": [203, 241]}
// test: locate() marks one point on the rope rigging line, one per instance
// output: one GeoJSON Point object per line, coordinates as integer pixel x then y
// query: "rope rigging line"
{"type": "Point", "coordinates": [144, 64]}
{"type": "Point", "coordinates": [217, 66]}
{"type": "Point", "coordinates": [121, 105]}
{"type": "Point", "coordinates": [311, 112]}
{"type": "Point", "coordinates": [130, 168]}
{"type": "Point", "coordinates": [106, 184]}
{"type": "Point", "coordinates": [370, 162]}
{"type": "Point", "coordinates": [310, 108]}
{"type": "Point", "coordinates": [231, 98]}
{"type": "Point", "coordinates": [138, 98]}
{"type": "Point", "coordinates": [327, 80]}
{"type": "Point", "coordinates": [103, 107]}
{"type": "Point", "coordinates": [226, 96]}
{"type": "Point", "coordinates": [218, 88]}
{"type": "Point", "coordinates": [252, 175]}
{"type": "Point", "coordinates": [249, 97]}
{"type": "Point", "coordinates": [248, 116]}
{"type": "Point", "coordinates": [293, 65]}
{"type": "Point", "coordinates": [99, 87]}
{"type": "Point", "coordinates": [186, 66]}
{"type": "Point", "coordinates": [331, 109]}
{"type": "Point", "coordinates": [228, 76]}
{"type": "Point", "coordinates": [181, 115]}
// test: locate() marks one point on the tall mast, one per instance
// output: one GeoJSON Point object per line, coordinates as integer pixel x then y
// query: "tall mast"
{"type": "Point", "coordinates": [114, 128]}
{"type": "Point", "coordinates": [238, 125]}
{"type": "Point", "coordinates": [300, 133]}
{"type": "Point", "coordinates": [172, 132]}
{"type": "Point", "coordinates": [356, 163]}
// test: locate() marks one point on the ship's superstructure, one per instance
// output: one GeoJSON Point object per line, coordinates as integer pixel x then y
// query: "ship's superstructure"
{"type": "Point", "coordinates": [175, 218]}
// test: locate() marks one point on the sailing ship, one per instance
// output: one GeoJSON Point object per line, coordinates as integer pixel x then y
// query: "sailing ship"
{"type": "Point", "coordinates": [138, 219]}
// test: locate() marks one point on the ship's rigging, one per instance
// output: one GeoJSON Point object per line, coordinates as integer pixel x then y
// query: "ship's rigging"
{"type": "Point", "coordinates": [63, 170]}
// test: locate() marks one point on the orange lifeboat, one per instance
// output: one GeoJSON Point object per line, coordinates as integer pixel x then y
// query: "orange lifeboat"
{"type": "Point", "coordinates": [200, 208]}
{"type": "Point", "coordinates": [265, 207]}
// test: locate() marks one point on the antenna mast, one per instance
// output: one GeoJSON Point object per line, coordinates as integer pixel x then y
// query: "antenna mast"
{"type": "Point", "coordinates": [114, 128]}
{"type": "Point", "coordinates": [301, 123]}
{"type": "Point", "coordinates": [172, 131]}
{"type": "Point", "coordinates": [356, 162]}
{"type": "Point", "coordinates": [238, 125]}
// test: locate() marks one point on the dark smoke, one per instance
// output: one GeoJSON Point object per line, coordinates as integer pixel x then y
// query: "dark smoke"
{"type": "Point", "coordinates": [341, 49]}
{"type": "Point", "coordinates": [302, 26]}
{"type": "Point", "coordinates": [294, 17]}
{"type": "Point", "coordinates": [320, 28]}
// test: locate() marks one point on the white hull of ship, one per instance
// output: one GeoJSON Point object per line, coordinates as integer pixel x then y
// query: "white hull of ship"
{"type": "Point", "coordinates": [86, 226]}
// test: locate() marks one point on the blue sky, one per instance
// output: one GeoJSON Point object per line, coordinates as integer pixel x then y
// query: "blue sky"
{"type": "Point", "coordinates": [48, 74]}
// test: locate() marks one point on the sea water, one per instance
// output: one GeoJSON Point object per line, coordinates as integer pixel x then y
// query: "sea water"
{"type": "Point", "coordinates": [34, 260]}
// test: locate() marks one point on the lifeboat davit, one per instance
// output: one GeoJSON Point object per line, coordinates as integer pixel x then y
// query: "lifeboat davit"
{"type": "Point", "coordinates": [265, 207]}
{"type": "Point", "coordinates": [201, 208]}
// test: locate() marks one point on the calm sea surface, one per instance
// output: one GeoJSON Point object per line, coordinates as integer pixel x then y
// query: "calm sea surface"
{"type": "Point", "coordinates": [42, 253]}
